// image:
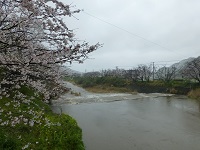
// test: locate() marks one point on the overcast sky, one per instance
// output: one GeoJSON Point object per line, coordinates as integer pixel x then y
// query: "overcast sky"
{"type": "Point", "coordinates": [136, 31]}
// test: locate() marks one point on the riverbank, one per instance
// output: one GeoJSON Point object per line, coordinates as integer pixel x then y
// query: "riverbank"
{"type": "Point", "coordinates": [84, 96]}
{"type": "Point", "coordinates": [123, 85]}
{"type": "Point", "coordinates": [195, 94]}
{"type": "Point", "coordinates": [28, 123]}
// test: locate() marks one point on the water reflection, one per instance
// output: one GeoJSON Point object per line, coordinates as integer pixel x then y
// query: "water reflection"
{"type": "Point", "coordinates": [167, 123]}
{"type": "Point", "coordinates": [168, 100]}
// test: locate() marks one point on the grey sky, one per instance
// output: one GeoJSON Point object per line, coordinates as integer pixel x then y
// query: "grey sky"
{"type": "Point", "coordinates": [173, 25]}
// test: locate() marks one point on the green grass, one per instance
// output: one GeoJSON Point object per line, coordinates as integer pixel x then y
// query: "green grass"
{"type": "Point", "coordinates": [95, 81]}
{"type": "Point", "coordinates": [109, 84]}
{"type": "Point", "coordinates": [29, 123]}
{"type": "Point", "coordinates": [108, 89]}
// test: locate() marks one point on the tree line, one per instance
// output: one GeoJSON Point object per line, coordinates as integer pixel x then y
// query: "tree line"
{"type": "Point", "coordinates": [190, 72]}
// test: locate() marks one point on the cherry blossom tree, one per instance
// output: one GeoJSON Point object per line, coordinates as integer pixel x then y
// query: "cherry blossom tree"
{"type": "Point", "coordinates": [35, 42]}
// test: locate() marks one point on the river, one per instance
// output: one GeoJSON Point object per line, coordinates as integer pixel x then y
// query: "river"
{"type": "Point", "coordinates": [143, 122]}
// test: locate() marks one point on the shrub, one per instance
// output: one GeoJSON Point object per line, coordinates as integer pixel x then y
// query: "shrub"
{"type": "Point", "coordinates": [7, 143]}
{"type": "Point", "coordinates": [173, 91]}
{"type": "Point", "coordinates": [194, 94]}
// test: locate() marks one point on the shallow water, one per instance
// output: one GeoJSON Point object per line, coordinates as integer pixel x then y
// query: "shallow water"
{"type": "Point", "coordinates": [148, 123]}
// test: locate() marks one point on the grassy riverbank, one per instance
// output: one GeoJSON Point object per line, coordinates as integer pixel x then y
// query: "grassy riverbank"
{"type": "Point", "coordinates": [108, 89]}
{"type": "Point", "coordinates": [122, 85]}
{"type": "Point", "coordinates": [194, 94]}
{"type": "Point", "coordinates": [101, 85]}
{"type": "Point", "coordinates": [29, 123]}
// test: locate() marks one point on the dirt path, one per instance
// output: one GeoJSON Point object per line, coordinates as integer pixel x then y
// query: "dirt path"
{"type": "Point", "coordinates": [79, 95]}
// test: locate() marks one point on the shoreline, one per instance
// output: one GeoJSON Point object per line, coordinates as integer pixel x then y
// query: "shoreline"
{"type": "Point", "coordinates": [84, 96]}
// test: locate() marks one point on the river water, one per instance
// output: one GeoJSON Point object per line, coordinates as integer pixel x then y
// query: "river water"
{"type": "Point", "coordinates": [148, 123]}
{"type": "Point", "coordinates": [133, 122]}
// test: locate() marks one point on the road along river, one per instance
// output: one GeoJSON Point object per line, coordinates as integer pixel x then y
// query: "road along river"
{"type": "Point", "coordinates": [134, 122]}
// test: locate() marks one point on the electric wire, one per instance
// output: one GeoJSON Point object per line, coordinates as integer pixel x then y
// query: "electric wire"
{"type": "Point", "coordinates": [130, 33]}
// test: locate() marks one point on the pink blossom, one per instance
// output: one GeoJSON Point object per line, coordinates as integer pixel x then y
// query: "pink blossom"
{"type": "Point", "coordinates": [35, 42]}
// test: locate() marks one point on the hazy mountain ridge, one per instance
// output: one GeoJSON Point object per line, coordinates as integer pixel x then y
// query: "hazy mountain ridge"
{"type": "Point", "coordinates": [178, 67]}
{"type": "Point", "coordinates": [182, 64]}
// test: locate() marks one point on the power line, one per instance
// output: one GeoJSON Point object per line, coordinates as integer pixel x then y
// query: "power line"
{"type": "Point", "coordinates": [168, 61]}
{"type": "Point", "coordinates": [130, 33]}
{"type": "Point", "coordinates": [135, 35]}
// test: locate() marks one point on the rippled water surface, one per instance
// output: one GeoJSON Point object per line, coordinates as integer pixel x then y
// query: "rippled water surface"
{"type": "Point", "coordinates": [149, 123]}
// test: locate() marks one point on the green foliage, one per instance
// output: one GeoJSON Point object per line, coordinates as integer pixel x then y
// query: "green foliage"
{"type": "Point", "coordinates": [7, 142]}
{"type": "Point", "coordinates": [67, 135]}
{"type": "Point", "coordinates": [95, 81]}
{"type": "Point", "coordinates": [110, 84]}
{"type": "Point", "coordinates": [27, 91]}
{"type": "Point", "coordinates": [37, 127]}
{"type": "Point", "coordinates": [155, 83]}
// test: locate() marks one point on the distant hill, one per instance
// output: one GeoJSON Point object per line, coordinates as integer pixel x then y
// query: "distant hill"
{"type": "Point", "coordinates": [178, 67]}
{"type": "Point", "coordinates": [182, 64]}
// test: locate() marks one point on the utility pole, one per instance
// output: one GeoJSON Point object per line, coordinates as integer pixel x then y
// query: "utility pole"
{"type": "Point", "coordinates": [153, 70]}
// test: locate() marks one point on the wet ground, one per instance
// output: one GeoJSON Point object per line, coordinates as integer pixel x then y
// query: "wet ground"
{"type": "Point", "coordinates": [137, 122]}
